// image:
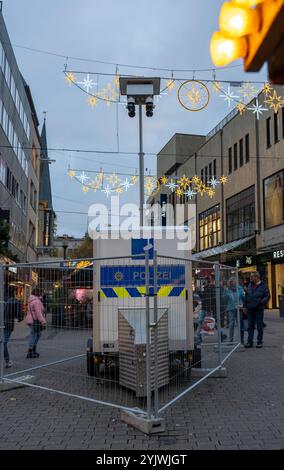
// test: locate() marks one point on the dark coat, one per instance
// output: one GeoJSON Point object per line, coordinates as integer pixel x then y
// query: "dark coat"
{"type": "Point", "coordinates": [12, 311]}
{"type": "Point", "coordinates": [257, 297]}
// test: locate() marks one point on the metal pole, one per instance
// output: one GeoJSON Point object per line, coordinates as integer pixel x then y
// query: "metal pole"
{"type": "Point", "coordinates": [238, 308]}
{"type": "Point", "coordinates": [141, 166]}
{"type": "Point", "coordinates": [2, 323]}
{"type": "Point", "coordinates": [148, 332]}
{"type": "Point", "coordinates": [156, 394]}
{"type": "Point", "coordinates": [218, 310]}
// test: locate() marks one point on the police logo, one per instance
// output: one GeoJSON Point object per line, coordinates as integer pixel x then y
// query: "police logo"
{"type": "Point", "coordinates": [118, 276]}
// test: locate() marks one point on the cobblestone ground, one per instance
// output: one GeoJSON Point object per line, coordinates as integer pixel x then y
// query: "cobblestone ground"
{"type": "Point", "coordinates": [243, 411]}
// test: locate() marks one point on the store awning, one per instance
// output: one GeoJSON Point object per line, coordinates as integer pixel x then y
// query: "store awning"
{"type": "Point", "coordinates": [218, 250]}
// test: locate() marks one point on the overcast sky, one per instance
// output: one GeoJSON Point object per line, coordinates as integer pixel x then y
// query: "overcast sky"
{"type": "Point", "coordinates": [162, 33]}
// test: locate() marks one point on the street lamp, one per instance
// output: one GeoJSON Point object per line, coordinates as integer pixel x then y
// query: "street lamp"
{"type": "Point", "coordinates": [141, 92]}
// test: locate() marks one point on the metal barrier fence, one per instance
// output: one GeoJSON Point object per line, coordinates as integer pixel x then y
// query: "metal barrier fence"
{"type": "Point", "coordinates": [131, 334]}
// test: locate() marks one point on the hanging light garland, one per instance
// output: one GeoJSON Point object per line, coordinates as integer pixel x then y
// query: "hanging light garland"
{"type": "Point", "coordinates": [116, 184]}
{"type": "Point", "coordinates": [193, 95]}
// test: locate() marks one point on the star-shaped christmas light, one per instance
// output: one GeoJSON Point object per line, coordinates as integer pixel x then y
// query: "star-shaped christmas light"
{"type": "Point", "coordinates": [134, 179]}
{"type": "Point", "coordinates": [88, 83]}
{"type": "Point", "coordinates": [179, 192]}
{"type": "Point", "coordinates": [216, 87]}
{"type": "Point", "coordinates": [201, 188]}
{"type": "Point", "coordinates": [92, 101]}
{"type": "Point", "coordinates": [224, 179]}
{"type": "Point", "coordinates": [229, 96]}
{"type": "Point", "coordinates": [85, 189]}
{"type": "Point", "coordinates": [211, 193]}
{"type": "Point", "coordinates": [267, 89]}
{"type": "Point", "coordinates": [70, 78]}
{"type": "Point", "coordinates": [184, 182]}
{"type": "Point", "coordinates": [241, 108]}
{"type": "Point", "coordinates": [257, 109]}
{"type": "Point", "coordinates": [248, 91]}
{"type": "Point", "coordinates": [195, 179]}
{"type": "Point", "coordinates": [116, 80]}
{"type": "Point", "coordinates": [113, 179]}
{"type": "Point", "coordinates": [194, 95]}
{"type": "Point", "coordinates": [164, 179]}
{"type": "Point", "coordinates": [170, 85]}
{"type": "Point", "coordinates": [119, 190]}
{"type": "Point", "coordinates": [72, 173]}
{"type": "Point", "coordinates": [149, 186]}
{"type": "Point", "coordinates": [275, 101]}
{"type": "Point", "coordinates": [172, 185]}
{"type": "Point", "coordinates": [214, 182]}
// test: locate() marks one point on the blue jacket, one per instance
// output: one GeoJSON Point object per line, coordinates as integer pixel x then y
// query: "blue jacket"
{"type": "Point", "coordinates": [257, 297]}
{"type": "Point", "coordinates": [235, 298]}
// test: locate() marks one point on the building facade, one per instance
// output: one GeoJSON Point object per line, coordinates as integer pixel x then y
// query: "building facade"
{"type": "Point", "coordinates": [243, 224]}
{"type": "Point", "coordinates": [19, 156]}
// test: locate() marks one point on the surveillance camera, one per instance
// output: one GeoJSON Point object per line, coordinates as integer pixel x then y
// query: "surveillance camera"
{"type": "Point", "coordinates": [131, 107]}
{"type": "Point", "coordinates": [150, 106]}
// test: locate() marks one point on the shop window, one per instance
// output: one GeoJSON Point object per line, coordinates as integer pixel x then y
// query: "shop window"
{"type": "Point", "coordinates": [273, 200]}
{"type": "Point", "coordinates": [209, 228]}
{"type": "Point", "coordinates": [215, 168]}
{"type": "Point", "coordinates": [240, 211]}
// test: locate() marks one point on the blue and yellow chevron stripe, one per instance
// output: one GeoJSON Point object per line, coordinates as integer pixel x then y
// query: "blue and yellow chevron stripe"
{"type": "Point", "coordinates": [128, 292]}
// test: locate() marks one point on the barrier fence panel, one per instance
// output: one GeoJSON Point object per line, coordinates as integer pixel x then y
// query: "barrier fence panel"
{"type": "Point", "coordinates": [129, 333]}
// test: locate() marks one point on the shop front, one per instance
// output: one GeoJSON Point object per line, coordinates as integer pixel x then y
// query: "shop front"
{"type": "Point", "coordinates": [274, 264]}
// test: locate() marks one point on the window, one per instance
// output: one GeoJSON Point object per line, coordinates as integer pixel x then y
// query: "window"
{"type": "Point", "coordinates": [241, 144]}
{"type": "Point", "coordinates": [215, 169]}
{"type": "Point", "coordinates": [206, 175]}
{"type": "Point", "coordinates": [210, 228]}
{"type": "Point", "coordinates": [202, 175]}
{"type": "Point", "coordinates": [210, 171]}
{"type": "Point", "coordinates": [34, 158]}
{"type": "Point", "coordinates": [247, 148]}
{"type": "Point", "coordinates": [274, 200]}
{"type": "Point", "coordinates": [268, 132]}
{"type": "Point", "coordinates": [11, 133]}
{"type": "Point", "coordinates": [230, 160]}
{"type": "Point", "coordinates": [241, 215]}
{"type": "Point", "coordinates": [7, 73]}
{"type": "Point", "coordinates": [5, 122]}
{"type": "Point", "coordinates": [276, 134]}
{"type": "Point", "coordinates": [235, 156]}
{"type": "Point", "coordinates": [8, 179]}
{"type": "Point", "coordinates": [2, 171]}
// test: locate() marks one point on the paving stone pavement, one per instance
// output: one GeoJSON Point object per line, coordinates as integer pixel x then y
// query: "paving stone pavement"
{"type": "Point", "coordinates": [243, 411]}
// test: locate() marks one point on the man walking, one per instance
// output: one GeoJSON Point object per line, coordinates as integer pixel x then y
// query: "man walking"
{"type": "Point", "coordinates": [256, 298]}
{"type": "Point", "coordinates": [12, 311]}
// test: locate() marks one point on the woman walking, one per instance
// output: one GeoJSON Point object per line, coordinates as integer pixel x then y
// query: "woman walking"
{"type": "Point", "coordinates": [36, 321]}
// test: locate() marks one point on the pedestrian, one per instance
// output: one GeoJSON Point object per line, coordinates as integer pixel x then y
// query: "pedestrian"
{"type": "Point", "coordinates": [36, 321]}
{"type": "Point", "coordinates": [12, 311]}
{"type": "Point", "coordinates": [235, 300]}
{"type": "Point", "coordinates": [256, 298]}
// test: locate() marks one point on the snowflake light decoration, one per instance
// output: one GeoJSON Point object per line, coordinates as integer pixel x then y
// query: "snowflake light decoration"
{"type": "Point", "coordinates": [257, 109]}
{"type": "Point", "coordinates": [172, 186]}
{"type": "Point", "coordinates": [88, 83]}
{"type": "Point", "coordinates": [229, 95]}
{"type": "Point", "coordinates": [190, 193]}
{"type": "Point", "coordinates": [214, 182]}
{"type": "Point", "coordinates": [275, 101]}
{"type": "Point", "coordinates": [107, 190]}
{"type": "Point", "coordinates": [113, 179]}
{"type": "Point", "coordinates": [126, 184]}
{"type": "Point", "coordinates": [193, 95]}
{"type": "Point", "coordinates": [83, 178]}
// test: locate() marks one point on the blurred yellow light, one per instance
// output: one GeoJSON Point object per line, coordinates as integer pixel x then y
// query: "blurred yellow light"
{"type": "Point", "coordinates": [236, 21]}
{"type": "Point", "coordinates": [225, 50]}
{"type": "Point", "coordinates": [248, 3]}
